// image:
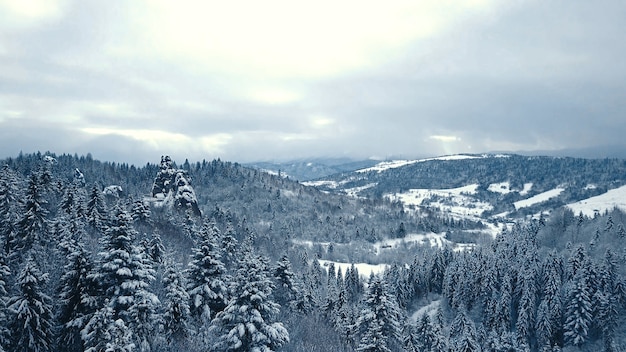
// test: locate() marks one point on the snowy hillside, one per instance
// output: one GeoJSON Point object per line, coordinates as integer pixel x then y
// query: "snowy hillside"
{"type": "Point", "coordinates": [614, 198]}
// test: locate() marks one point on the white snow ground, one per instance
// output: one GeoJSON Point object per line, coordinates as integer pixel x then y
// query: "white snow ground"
{"type": "Point", "coordinates": [456, 202]}
{"type": "Point", "coordinates": [536, 199]}
{"type": "Point", "coordinates": [365, 270]}
{"type": "Point", "coordinates": [607, 201]}
{"type": "Point", "coordinates": [386, 165]}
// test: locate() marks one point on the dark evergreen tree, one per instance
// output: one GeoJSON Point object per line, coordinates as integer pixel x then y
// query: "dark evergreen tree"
{"type": "Point", "coordinates": [31, 312]}
{"type": "Point", "coordinates": [287, 287]}
{"type": "Point", "coordinates": [125, 275]}
{"type": "Point", "coordinates": [96, 211]}
{"type": "Point", "coordinates": [32, 225]}
{"type": "Point", "coordinates": [578, 311]}
{"type": "Point", "coordinates": [176, 312]}
{"type": "Point", "coordinates": [77, 297]}
{"type": "Point", "coordinates": [463, 337]}
{"type": "Point", "coordinates": [9, 206]}
{"type": "Point", "coordinates": [5, 276]}
{"type": "Point", "coordinates": [248, 322]}
{"type": "Point", "coordinates": [380, 317]}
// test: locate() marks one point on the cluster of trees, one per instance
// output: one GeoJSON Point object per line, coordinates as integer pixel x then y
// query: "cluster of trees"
{"type": "Point", "coordinates": [83, 271]}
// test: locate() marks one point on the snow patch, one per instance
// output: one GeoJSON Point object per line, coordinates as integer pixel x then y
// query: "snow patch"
{"type": "Point", "coordinates": [329, 184]}
{"type": "Point", "coordinates": [386, 165]}
{"type": "Point", "coordinates": [430, 309]}
{"type": "Point", "coordinates": [365, 270]}
{"type": "Point", "coordinates": [432, 239]}
{"type": "Point", "coordinates": [502, 187]}
{"type": "Point", "coordinates": [527, 187]}
{"type": "Point", "coordinates": [456, 202]}
{"type": "Point", "coordinates": [539, 198]}
{"type": "Point", "coordinates": [607, 201]}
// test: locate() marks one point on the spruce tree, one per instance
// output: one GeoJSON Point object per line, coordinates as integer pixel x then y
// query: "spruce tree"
{"type": "Point", "coordinates": [248, 321]}
{"type": "Point", "coordinates": [578, 311]}
{"type": "Point", "coordinates": [9, 206]}
{"type": "Point", "coordinates": [32, 225]}
{"type": "Point", "coordinates": [125, 274]}
{"type": "Point", "coordinates": [176, 305]}
{"type": "Point", "coordinates": [77, 297]}
{"type": "Point", "coordinates": [380, 312]}
{"type": "Point", "coordinates": [31, 312]}
{"type": "Point", "coordinates": [206, 278]}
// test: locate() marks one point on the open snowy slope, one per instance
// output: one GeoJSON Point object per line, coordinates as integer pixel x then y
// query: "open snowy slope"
{"type": "Point", "coordinates": [606, 201]}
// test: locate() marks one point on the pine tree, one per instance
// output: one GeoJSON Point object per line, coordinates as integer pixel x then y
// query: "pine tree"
{"type": "Point", "coordinates": [32, 225]}
{"type": "Point", "coordinates": [176, 305]}
{"type": "Point", "coordinates": [96, 209]}
{"type": "Point", "coordinates": [31, 311]}
{"type": "Point", "coordinates": [247, 323]}
{"type": "Point", "coordinates": [77, 296]}
{"type": "Point", "coordinates": [578, 311]}
{"type": "Point", "coordinates": [286, 291]}
{"type": "Point", "coordinates": [5, 276]}
{"type": "Point", "coordinates": [103, 333]}
{"type": "Point", "coordinates": [380, 312]}
{"type": "Point", "coordinates": [9, 205]}
{"type": "Point", "coordinates": [463, 337]}
{"type": "Point", "coordinates": [206, 277]}
{"type": "Point", "coordinates": [125, 273]}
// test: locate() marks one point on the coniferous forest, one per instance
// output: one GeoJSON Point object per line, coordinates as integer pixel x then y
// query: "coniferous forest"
{"type": "Point", "coordinates": [213, 256]}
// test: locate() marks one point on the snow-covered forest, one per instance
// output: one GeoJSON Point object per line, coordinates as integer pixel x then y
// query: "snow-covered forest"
{"type": "Point", "coordinates": [213, 256]}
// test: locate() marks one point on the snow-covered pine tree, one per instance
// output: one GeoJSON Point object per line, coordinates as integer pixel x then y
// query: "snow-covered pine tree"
{"type": "Point", "coordinates": [229, 246]}
{"type": "Point", "coordinates": [175, 305]}
{"type": "Point", "coordinates": [96, 211]}
{"type": "Point", "coordinates": [578, 311]}
{"type": "Point", "coordinates": [380, 312]}
{"type": "Point", "coordinates": [125, 275]}
{"type": "Point", "coordinates": [33, 224]}
{"type": "Point", "coordinates": [31, 311]}
{"type": "Point", "coordinates": [9, 205]}
{"type": "Point", "coordinates": [286, 291]}
{"type": "Point", "coordinates": [248, 322]}
{"type": "Point", "coordinates": [103, 333]}
{"type": "Point", "coordinates": [463, 337]}
{"type": "Point", "coordinates": [206, 278]}
{"type": "Point", "coordinates": [77, 296]}
{"type": "Point", "coordinates": [5, 276]}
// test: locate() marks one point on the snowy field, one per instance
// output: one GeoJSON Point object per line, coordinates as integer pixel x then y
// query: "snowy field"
{"type": "Point", "coordinates": [432, 239]}
{"type": "Point", "coordinates": [386, 165]}
{"type": "Point", "coordinates": [606, 201]}
{"type": "Point", "coordinates": [505, 188]}
{"type": "Point", "coordinates": [541, 197]}
{"type": "Point", "coordinates": [456, 202]}
{"type": "Point", "coordinates": [365, 270]}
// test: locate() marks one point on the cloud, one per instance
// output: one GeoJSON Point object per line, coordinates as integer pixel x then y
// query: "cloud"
{"type": "Point", "coordinates": [276, 79]}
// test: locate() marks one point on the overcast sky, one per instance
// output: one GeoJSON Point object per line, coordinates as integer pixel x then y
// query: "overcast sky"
{"type": "Point", "coordinates": [274, 80]}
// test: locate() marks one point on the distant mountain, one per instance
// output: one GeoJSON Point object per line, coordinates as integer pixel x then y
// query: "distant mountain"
{"type": "Point", "coordinates": [487, 186]}
{"type": "Point", "coordinates": [311, 169]}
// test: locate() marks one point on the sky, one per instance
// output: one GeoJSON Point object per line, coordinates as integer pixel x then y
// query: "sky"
{"type": "Point", "coordinates": [273, 80]}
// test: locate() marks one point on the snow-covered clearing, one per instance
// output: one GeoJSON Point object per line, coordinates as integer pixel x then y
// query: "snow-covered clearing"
{"type": "Point", "coordinates": [607, 201]}
{"type": "Point", "coordinates": [456, 202]}
{"type": "Point", "coordinates": [502, 187]}
{"type": "Point", "coordinates": [541, 197]}
{"type": "Point", "coordinates": [527, 187]}
{"type": "Point", "coordinates": [354, 192]}
{"type": "Point", "coordinates": [365, 270]}
{"type": "Point", "coordinates": [386, 165]}
{"type": "Point", "coordinates": [432, 239]}
{"type": "Point", "coordinates": [430, 309]}
{"type": "Point", "coordinates": [329, 184]}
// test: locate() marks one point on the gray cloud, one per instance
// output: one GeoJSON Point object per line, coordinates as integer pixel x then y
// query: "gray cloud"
{"type": "Point", "coordinates": [529, 76]}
